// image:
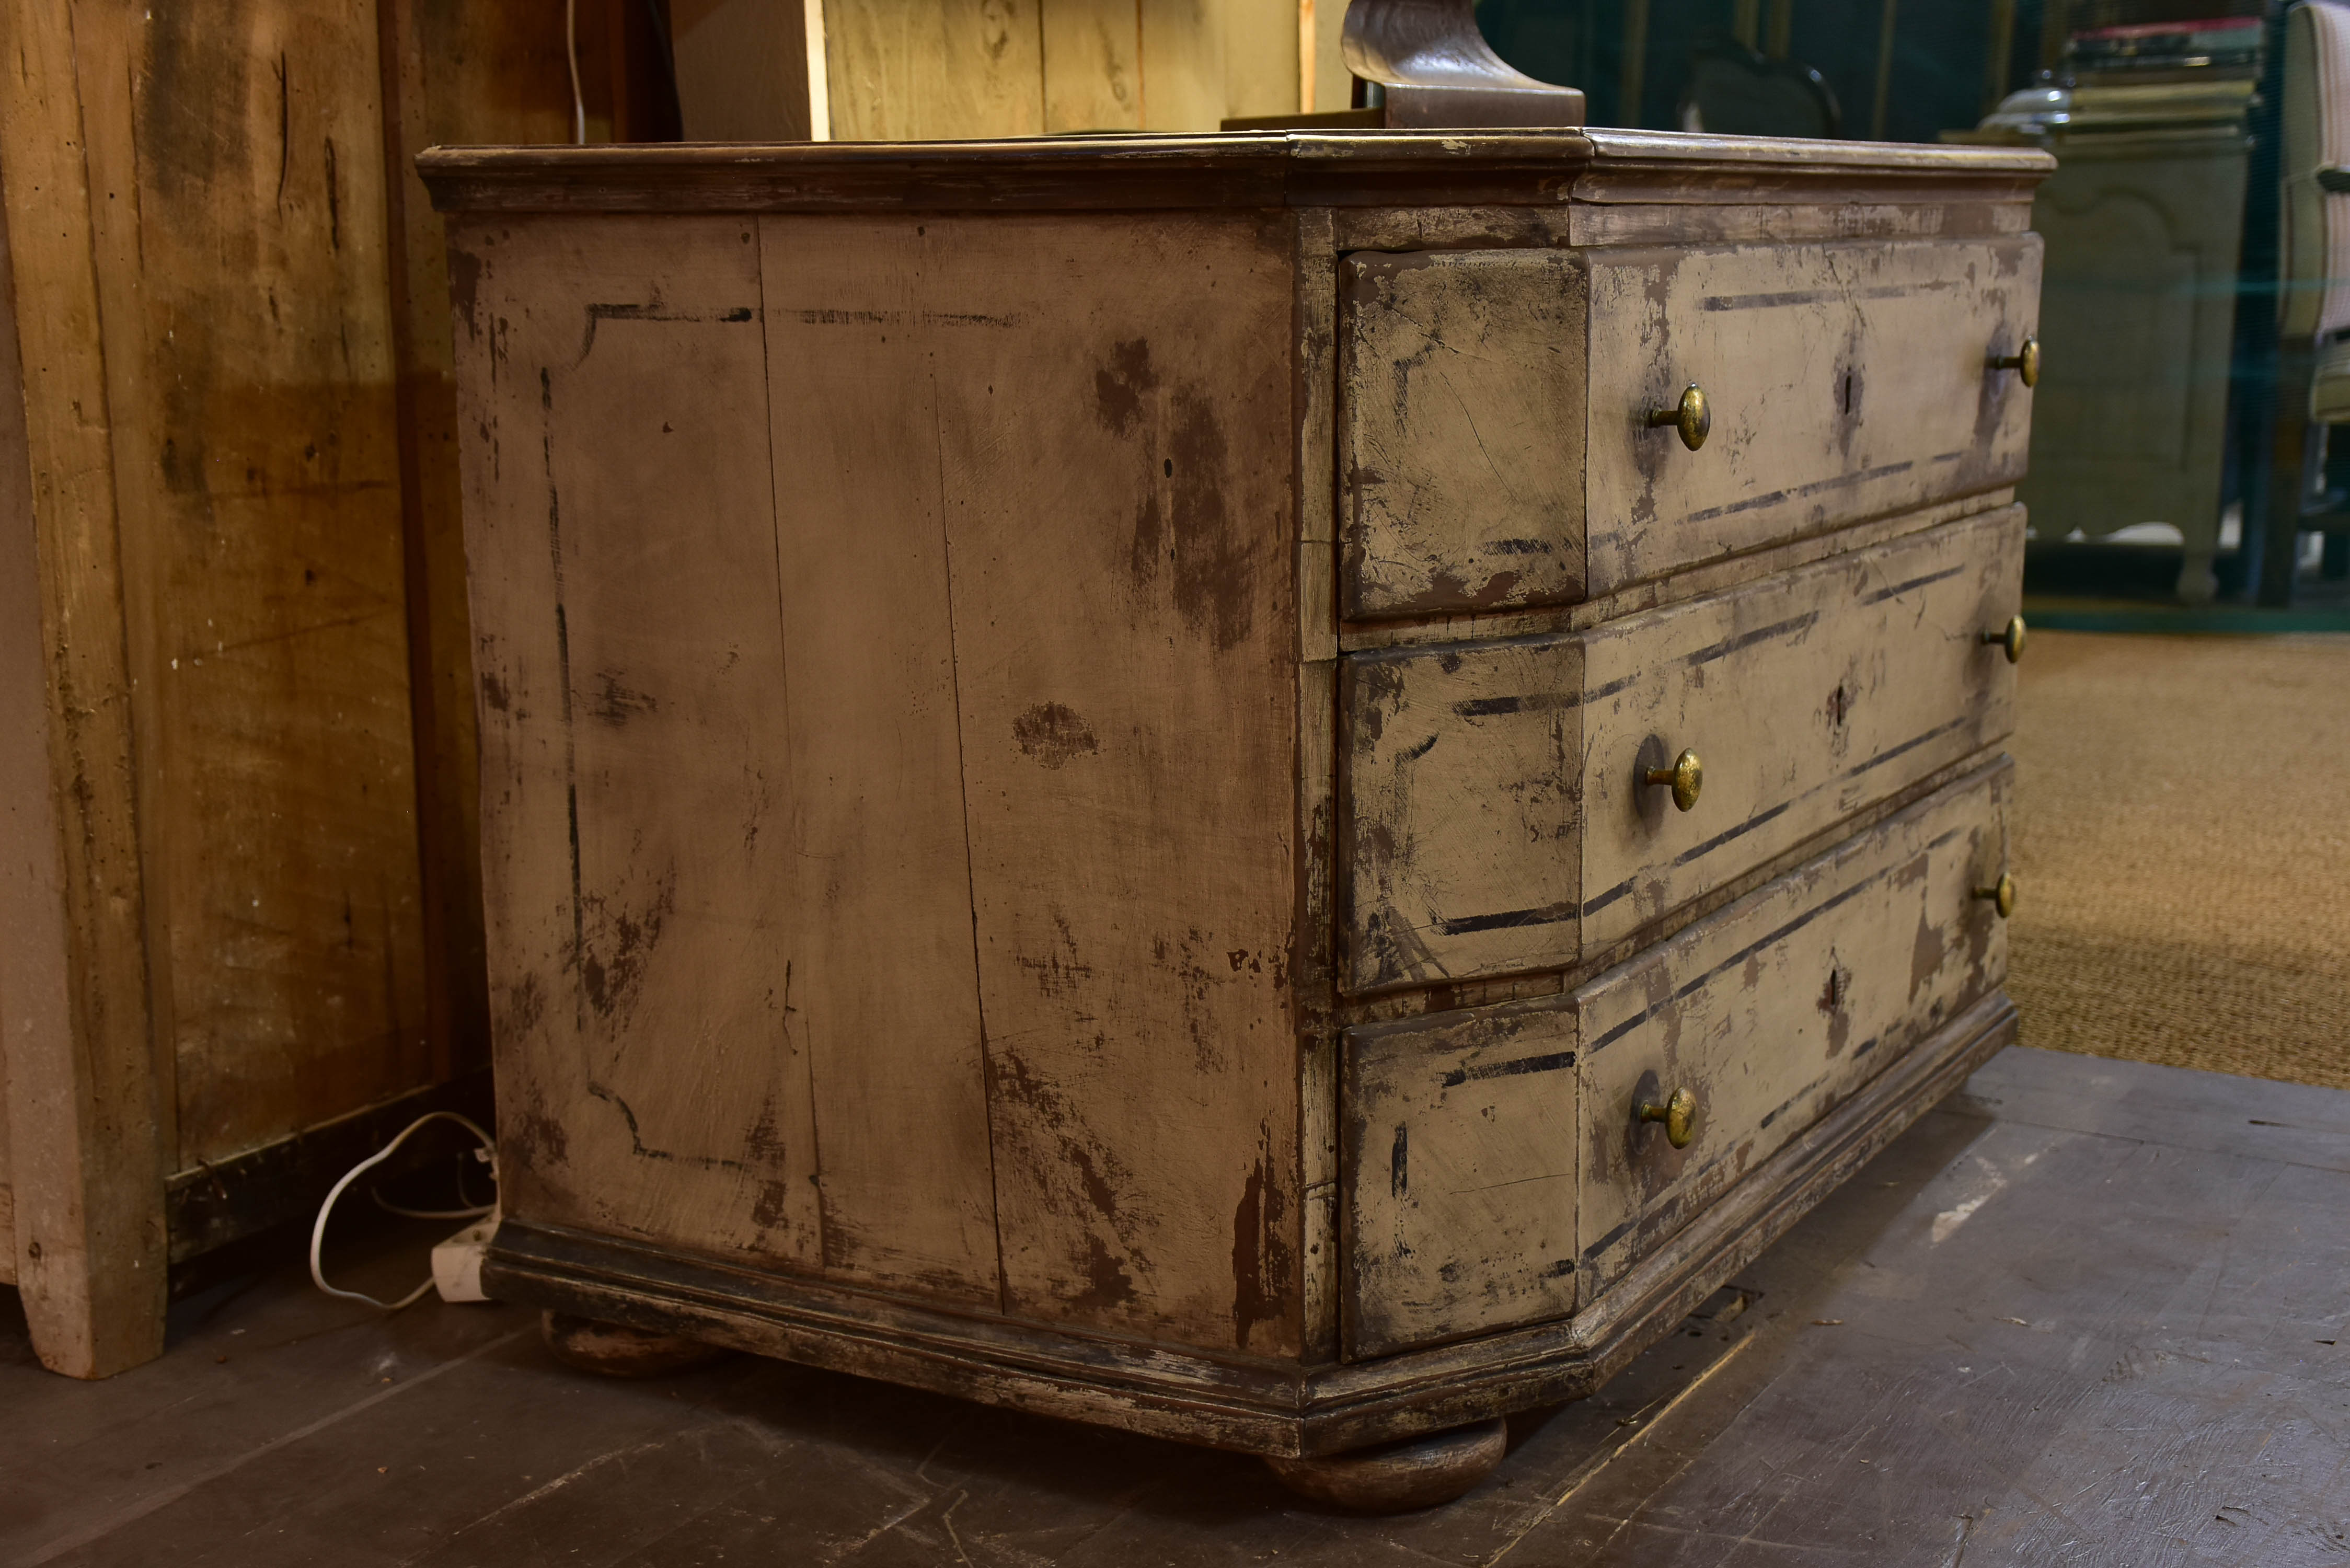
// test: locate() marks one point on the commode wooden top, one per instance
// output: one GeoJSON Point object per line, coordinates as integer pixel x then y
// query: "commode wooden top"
{"type": "Point", "coordinates": [1234, 169]}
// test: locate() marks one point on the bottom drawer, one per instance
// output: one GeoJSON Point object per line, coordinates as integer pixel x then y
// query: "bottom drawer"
{"type": "Point", "coordinates": [1495, 1172]}
{"type": "Point", "coordinates": [1776, 1009]}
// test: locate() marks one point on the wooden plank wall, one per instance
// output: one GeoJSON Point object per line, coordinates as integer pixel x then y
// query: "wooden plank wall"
{"type": "Point", "coordinates": [231, 538]}
{"type": "Point", "coordinates": [886, 69]}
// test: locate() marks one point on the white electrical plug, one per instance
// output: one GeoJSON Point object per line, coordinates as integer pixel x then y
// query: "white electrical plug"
{"type": "Point", "coordinates": [457, 1262]}
{"type": "Point", "coordinates": [459, 1277]}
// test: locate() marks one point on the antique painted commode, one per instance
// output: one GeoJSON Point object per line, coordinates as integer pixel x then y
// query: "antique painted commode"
{"type": "Point", "coordinates": [1278, 788]}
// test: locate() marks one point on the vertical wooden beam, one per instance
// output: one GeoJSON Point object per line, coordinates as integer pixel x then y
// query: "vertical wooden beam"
{"type": "Point", "coordinates": [1306, 56]}
{"type": "Point", "coordinates": [1782, 28]}
{"type": "Point", "coordinates": [820, 86]}
{"type": "Point", "coordinates": [85, 1122]}
{"type": "Point", "coordinates": [1746, 22]}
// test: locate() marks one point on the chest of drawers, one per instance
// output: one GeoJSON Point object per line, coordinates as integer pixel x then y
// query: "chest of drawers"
{"type": "Point", "coordinates": [1146, 778]}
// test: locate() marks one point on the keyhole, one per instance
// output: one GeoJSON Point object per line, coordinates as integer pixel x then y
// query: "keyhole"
{"type": "Point", "coordinates": [1847, 392]}
{"type": "Point", "coordinates": [1839, 702]}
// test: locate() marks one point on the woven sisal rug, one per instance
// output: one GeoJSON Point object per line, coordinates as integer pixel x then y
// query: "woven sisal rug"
{"type": "Point", "coordinates": [2182, 850]}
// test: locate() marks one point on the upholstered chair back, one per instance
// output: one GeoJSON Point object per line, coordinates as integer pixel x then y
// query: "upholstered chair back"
{"type": "Point", "coordinates": [2313, 252]}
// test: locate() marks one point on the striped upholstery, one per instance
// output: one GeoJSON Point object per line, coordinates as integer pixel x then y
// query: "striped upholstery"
{"type": "Point", "coordinates": [2329, 391]}
{"type": "Point", "coordinates": [2314, 247]}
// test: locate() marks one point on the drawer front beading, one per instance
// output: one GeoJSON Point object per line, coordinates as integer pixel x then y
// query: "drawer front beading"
{"type": "Point", "coordinates": [1510, 424]}
{"type": "Point", "coordinates": [1472, 1143]}
{"type": "Point", "coordinates": [1512, 806]}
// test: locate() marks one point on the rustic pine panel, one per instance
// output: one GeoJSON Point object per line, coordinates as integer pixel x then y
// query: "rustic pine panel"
{"type": "Point", "coordinates": [639, 862]}
{"type": "Point", "coordinates": [915, 68]}
{"type": "Point", "coordinates": [1092, 65]}
{"type": "Point", "coordinates": [1183, 53]}
{"type": "Point", "coordinates": [1124, 649]}
{"type": "Point", "coordinates": [241, 264]}
{"type": "Point", "coordinates": [885, 984]}
{"type": "Point", "coordinates": [1261, 50]}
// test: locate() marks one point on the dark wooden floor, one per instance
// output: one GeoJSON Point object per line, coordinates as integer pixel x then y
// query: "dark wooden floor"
{"type": "Point", "coordinates": [2088, 1312]}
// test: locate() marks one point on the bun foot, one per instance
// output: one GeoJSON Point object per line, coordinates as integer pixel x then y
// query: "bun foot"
{"type": "Point", "coordinates": [618, 1351]}
{"type": "Point", "coordinates": [1396, 1478]}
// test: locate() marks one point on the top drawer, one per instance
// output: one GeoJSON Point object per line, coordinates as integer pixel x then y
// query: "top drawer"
{"type": "Point", "coordinates": [1495, 444]}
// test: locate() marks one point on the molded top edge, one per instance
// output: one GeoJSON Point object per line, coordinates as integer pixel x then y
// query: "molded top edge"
{"type": "Point", "coordinates": [1250, 168]}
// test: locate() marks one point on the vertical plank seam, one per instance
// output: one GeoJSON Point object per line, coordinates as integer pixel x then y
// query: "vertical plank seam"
{"type": "Point", "coordinates": [393, 18]}
{"type": "Point", "coordinates": [782, 659]}
{"type": "Point", "coordinates": [146, 735]}
{"type": "Point", "coordinates": [563, 676]}
{"type": "Point", "coordinates": [962, 788]}
{"type": "Point", "coordinates": [1313, 468]}
{"type": "Point", "coordinates": [1301, 400]}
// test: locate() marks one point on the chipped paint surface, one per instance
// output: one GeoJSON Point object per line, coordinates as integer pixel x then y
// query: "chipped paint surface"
{"type": "Point", "coordinates": [1736, 1010]}
{"type": "Point", "coordinates": [1807, 696]}
{"type": "Point", "coordinates": [1845, 381]}
{"type": "Point", "coordinates": [1461, 430]}
{"type": "Point", "coordinates": [1496, 819]}
{"type": "Point", "coordinates": [1460, 1180]}
{"type": "Point", "coordinates": [916, 906]}
{"type": "Point", "coordinates": [1463, 835]}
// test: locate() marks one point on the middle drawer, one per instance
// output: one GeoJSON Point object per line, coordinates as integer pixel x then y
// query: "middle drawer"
{"type": "Point", "coordinates": [1497, 817]}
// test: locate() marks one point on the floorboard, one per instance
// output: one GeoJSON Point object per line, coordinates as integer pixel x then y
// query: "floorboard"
{"type": "Point", "coordinates": [2089, 1312]}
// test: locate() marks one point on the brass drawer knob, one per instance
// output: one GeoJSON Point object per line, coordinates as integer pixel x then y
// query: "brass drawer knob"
{"type": "Point", "coordinates": [1691, 416]}
{"type": "Point", "coordinates": [2024, 362]}
{"type": "Point", "coordinates": [1686, 777]}
{"type": "Point", "coordinates": [2008, 637]}
{"type": "Point", "coordinates": [1679, 1113]}
{"type": "Point", "coordinates": [2001, 895]}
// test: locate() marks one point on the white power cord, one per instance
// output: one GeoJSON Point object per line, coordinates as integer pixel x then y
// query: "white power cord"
{"type": "Point", "coordinates": [466, 1209]}
{"type": "Point", "coordinates": [489, 1151]}
{"type": "Point", "coordinates": [571, 48]}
